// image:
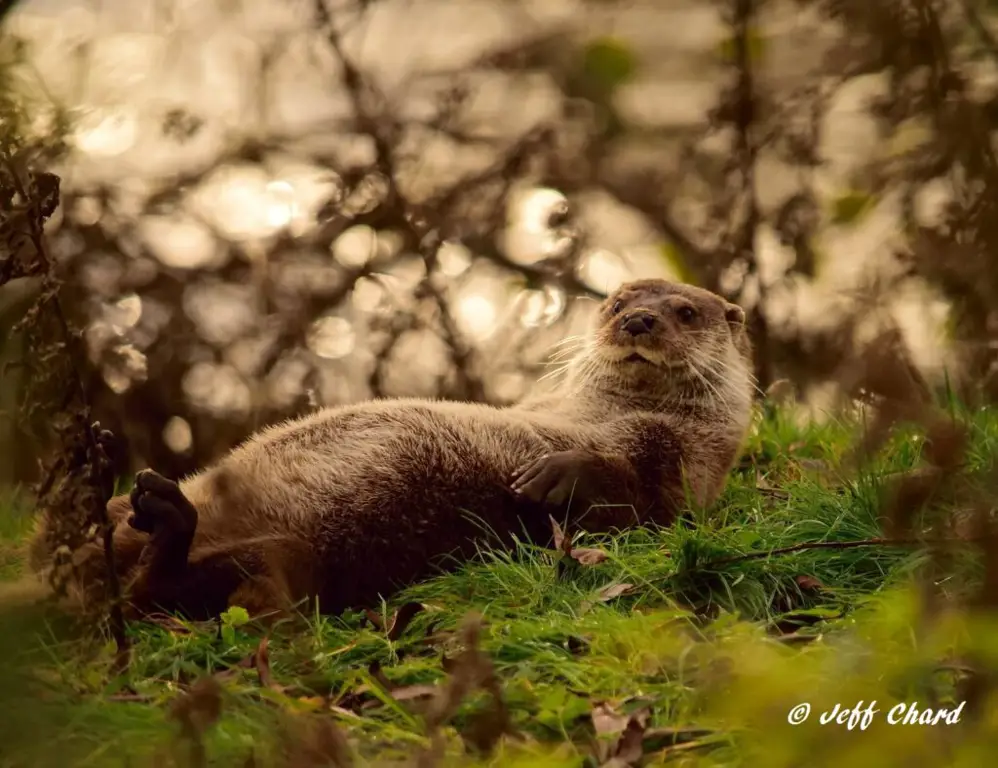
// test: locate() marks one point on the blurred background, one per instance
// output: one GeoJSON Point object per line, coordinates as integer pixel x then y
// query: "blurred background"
{"type": "Point", "coordinates": [273, 205]}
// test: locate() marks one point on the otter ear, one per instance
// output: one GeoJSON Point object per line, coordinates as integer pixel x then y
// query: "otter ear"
{"type": "Point", "coordinates": [735, 316]}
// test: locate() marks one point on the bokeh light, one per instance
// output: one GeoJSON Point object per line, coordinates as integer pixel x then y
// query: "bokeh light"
{"type": "Point", "coordinates": [177, 435]}
{"type": "Point", "coordinates": [476, 315]}
{"type": "Point", "coordinates": [603, 270]}
{"type": "Point", "coordinates": [107, 133]}
{"type": "Point", "coordinates": [181, 242]}
{"type": "Point", "coordinates": [332, 338]}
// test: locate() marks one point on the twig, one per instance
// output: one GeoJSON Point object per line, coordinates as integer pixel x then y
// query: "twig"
{"type": "Point", "coordinates": [419, 236]}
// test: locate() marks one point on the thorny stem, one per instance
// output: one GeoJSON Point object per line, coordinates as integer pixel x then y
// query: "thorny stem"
{"type": "Point", "coordinates": [94, 452]}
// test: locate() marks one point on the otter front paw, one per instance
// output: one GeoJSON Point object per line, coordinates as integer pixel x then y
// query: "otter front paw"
{"type": "Point", "coordinates": [160, 506]}
{"type": "Point", "coordinates": [554, 478]}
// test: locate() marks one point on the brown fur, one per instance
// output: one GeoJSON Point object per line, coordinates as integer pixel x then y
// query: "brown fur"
{"type": "Point", "coordinates": [352, 503]}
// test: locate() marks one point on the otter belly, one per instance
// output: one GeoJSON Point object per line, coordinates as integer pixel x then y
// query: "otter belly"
{"type": "Point", "coordinates": [350, 463]}
{"type": "Point", "coordinates": [384, 494]}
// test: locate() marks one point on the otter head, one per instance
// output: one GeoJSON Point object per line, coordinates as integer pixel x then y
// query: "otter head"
{"type": "Point", "coordinates": [673, 343]}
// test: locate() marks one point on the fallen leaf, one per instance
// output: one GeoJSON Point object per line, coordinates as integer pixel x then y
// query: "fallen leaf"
{"type": "Point", "coordinates": [314, 740]}
{"type": "Point", "coordinates": [630, 746]}
{"type": "Point", "coordinates": [561, 542]}
{"type": "Point", "coordinates": [780, 391]}
{"type": "Point", "coordinates": [197, 710]}
{"type": "Point", "coordinates": [809, 584]}
{"type": "Point", "coordinates": [471, 669]}
{"type": "Point", "coordinates": [374, 618]}
{"type": "Point", "coordinates": [611, 591]}
{"type": "Point", "coordinates": [607, 720]}
{"type": "Point", "coordinates": [402, 618]}
{"type": "Point", "coordinates": [261, 660]}
{"type": "Point", "coordinates": [200, 706]}
{"type": "Point", "coordinates": [376, 673]}
{"type": "Point", "coordinates": [607, 593]}
{"type": "Point", "coordinates": [589, 556]}
{"type": "Point", "coordinates": [583, 555]}
{"type": "Point", "coordinates": [413, 692]}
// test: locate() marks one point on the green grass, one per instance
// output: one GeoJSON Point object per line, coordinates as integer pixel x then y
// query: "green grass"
{"type": "Point", "coordinates": [698, 642]}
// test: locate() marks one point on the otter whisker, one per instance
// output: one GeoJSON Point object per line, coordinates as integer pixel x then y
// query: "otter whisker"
{"type": "Point", "coordinates": [712, 393]}
{"type": "Point", "coordinates": [574, 339]}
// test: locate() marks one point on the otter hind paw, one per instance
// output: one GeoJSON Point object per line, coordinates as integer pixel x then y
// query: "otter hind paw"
{"type": "Point", "coordinates": [158, 504]}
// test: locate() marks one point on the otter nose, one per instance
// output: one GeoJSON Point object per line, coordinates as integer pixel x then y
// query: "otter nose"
{"type": "Point", "coordinates": [637, 323]}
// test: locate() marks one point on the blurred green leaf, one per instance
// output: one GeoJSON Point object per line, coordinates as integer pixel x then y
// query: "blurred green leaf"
{"type": "Point", "coordinates": [235, 616]}
{"type": "Point", "coordinates": [850, 206]}
{"type": "Point", "coordinates": [676, 262]}
{"type": "Point", "coordinates": [608, 63]}
{"type": "Point", "coordinates": [756, 47]}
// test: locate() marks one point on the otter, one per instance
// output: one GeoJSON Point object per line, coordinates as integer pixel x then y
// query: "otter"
{"type": "Point", "coordinates": [349, 504]}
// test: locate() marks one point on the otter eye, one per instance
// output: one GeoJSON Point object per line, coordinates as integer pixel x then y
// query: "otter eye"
{"type": "Point", "coordinates": [617, 306]}
{"type": "Point", "coordinates": [686, 314]}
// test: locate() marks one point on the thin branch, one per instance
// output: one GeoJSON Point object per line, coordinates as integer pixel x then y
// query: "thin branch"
{"type": "Point", "coordinates": [419, 236]}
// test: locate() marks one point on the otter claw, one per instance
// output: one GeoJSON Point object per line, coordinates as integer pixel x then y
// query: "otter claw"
{"type": "Point", "coordinates": [550, 479]}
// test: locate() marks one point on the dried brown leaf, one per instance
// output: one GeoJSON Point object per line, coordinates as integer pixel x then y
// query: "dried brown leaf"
{"type": "Point", "coordinates": [584, 555]}
{"type": "Point", "coordinates": [378, 675]}
{"type": "Point", "coordinates": [588, 556]}
{"type": "Point", "coordinates": [630, 746]}
{"type": "Point", "coordinates": [808, 584]}
{"type": "Point", "coordinates": [606, 720]}
{"type": "Point", "coordinates": [261, 660]}
{"type": "Point", "coordinates": [471, 669]}
{"type": "Point", "coordinates": [314, 740]}
{"type": "Point", "coordinates": [402, 618]}
{"type": "Point", "coordinates": [374, 618]}
{"type": "Point", "coordinates": [612, 591]}
{"type": "Point", "coordinates": [413, 692]}
{"type": "Point", "coordinates": [561, 542]}
{"type": "Point", "coordinates": [945, 444]}
{"type": "Point", "coordinates": [199, 707]}
{"type": "Point", "coordinates": [196, 710]}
